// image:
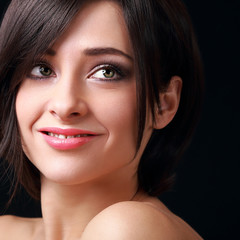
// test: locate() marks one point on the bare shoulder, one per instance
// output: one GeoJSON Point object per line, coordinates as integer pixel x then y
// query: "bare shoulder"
{"type": "Point", "coordinates": [12, 227]}
{"type": "Point", "coordinates": [137, 220]}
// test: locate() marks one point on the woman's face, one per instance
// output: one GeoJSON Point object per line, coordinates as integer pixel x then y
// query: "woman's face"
{"type": "Point", "coordinates": [76, 109]}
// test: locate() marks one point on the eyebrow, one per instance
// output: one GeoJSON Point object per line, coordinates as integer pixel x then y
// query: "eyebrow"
{"type": "Point", "coordinates": [96, 52]}
{"type": "Point", "coordinates": [103, 51]}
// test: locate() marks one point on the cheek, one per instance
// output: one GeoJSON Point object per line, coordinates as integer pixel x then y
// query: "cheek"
{"type": "Point", "coordinates": [29, 103]}
{"type": "Point", "coordinates": [117, 114]}
{"type": "Point", "coordinates": [23, 112]}
{"type": "Point", "coordinates": [27, 111]}
{"type": "Point", "coordinates": [22, 107]}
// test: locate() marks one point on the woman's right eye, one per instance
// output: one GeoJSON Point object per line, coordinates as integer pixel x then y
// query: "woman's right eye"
{"type": "Point", "coordinates": [41, 71]}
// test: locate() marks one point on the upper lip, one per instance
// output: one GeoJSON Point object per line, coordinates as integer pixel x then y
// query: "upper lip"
{"type": "Point", "coordinates": [67, 131]}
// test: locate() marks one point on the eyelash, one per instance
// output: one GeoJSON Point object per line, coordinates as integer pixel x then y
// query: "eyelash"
{"type": "Point", "coordinates": [112, 67]}
{"type": "Point", "coordinates": [120, 71]}
{"type": "Point", "coordinates": [41, 65]}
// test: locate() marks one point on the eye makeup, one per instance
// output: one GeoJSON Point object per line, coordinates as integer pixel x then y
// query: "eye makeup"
{"type": "Point", "coordinates": [97, 68]}
{"type": "Point", "coordinates": [109, 72]}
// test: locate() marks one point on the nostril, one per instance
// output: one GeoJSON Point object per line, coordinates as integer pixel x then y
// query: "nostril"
{"type": "Point", "coordinates": [75, 114]}
{"type": "Point", "coordinates": [53, 112]}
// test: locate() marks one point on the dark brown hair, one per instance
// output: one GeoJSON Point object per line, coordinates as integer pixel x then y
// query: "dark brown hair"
{"type": "Point", "coordinates": [164, 45]}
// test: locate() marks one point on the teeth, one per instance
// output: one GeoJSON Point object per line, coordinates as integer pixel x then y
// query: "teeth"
{"type": "Point", "coordinates": [61, 136]}
{"type": "Point", "coordinates": [70, 137]}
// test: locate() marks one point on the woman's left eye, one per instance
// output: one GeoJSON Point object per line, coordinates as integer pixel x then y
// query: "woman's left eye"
{"type": "Point", "coordinates": [107, 74]}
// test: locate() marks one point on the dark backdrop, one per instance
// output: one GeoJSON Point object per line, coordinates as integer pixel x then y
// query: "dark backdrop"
{"type": "Point", "coordinates": [206, 192]}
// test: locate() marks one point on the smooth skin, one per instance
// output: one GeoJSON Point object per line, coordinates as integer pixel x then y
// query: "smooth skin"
{"type": "Point", "coordinates": [87, 81]}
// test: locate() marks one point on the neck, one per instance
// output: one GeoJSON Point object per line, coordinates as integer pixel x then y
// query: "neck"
{"type": "Point", "coordinates": [67, 210]}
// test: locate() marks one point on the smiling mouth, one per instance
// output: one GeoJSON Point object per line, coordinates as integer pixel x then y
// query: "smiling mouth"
{"type": "Point", "coordinates": [66, 139]}
{"type": "Point", "coordinates": [62, 136]}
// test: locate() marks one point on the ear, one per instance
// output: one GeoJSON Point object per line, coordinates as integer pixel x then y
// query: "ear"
{"type": "Point", "coordinates": [169, 101]}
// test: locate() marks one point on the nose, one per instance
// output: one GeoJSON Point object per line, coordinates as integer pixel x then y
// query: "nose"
{"type": "Point", "coordinates": [66, 101]}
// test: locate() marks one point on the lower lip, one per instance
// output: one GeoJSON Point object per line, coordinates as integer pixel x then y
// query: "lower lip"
{"type": "Point", "coordinates": [68, 143]}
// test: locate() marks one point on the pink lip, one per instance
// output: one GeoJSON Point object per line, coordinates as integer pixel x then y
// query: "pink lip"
{"type": "Point", "coordinates": [67, 143]}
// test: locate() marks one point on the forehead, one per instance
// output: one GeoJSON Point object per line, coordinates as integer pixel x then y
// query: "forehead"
{"type": "Point", "coordinates": [97, 24]}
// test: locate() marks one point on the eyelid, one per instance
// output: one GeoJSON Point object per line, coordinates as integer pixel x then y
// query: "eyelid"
{"type": "Point", "coordinates": [41, 63]}
{"type": "Point", "coordinates": [115, 68]}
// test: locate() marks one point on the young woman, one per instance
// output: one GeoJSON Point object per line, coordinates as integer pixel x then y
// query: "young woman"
{"type": "Point", "coordinates": [98, 101]}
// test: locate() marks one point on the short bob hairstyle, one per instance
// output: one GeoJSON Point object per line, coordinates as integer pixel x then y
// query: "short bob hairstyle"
{"type": "Point", "coordinates": [164, 45]}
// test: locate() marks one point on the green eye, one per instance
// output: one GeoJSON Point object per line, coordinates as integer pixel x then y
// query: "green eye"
{"type": "Point", "coordinates": [42, 71]}
{"type": "Point", "coordinates": [108, 73]}
{"type": "Point", "coordinates": [45, 71]}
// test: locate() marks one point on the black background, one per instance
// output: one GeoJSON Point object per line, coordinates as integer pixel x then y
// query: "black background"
{"type": "Point", "coordinates": [206, 193]}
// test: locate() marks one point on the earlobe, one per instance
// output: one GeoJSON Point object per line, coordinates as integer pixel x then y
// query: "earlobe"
{"type": "Point", "coordinates": [169, 102]}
